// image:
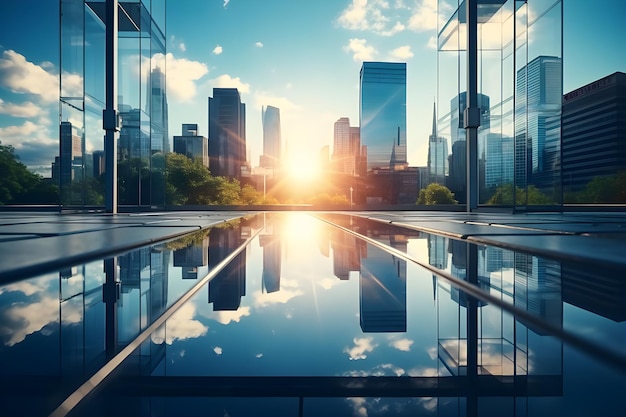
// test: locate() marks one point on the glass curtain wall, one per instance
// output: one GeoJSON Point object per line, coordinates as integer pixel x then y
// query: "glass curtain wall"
{"type": "Point", "coordinates": [519, 95]}
{"type": "Point", "coordinates": [142, 103]}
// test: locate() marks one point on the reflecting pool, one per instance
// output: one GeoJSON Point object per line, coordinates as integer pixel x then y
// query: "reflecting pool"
{"type": "Point", "coordinates": [296, 314]}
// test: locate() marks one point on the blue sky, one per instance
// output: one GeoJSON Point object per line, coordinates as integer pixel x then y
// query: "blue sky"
{"type": "Point", "coordinates": [303, 57]}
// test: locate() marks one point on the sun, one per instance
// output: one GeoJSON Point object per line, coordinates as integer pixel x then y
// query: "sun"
{"type": "Point", "coordinates": [303, 168]}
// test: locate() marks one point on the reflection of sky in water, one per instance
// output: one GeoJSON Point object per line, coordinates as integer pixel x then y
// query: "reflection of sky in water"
{"type": "Point", "coordinates": [291, 303]}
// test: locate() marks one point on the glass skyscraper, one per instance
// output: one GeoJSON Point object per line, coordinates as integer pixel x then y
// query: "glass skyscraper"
{"type": "Point", "coordinates": [382, 114]}
{"type": "Point", "coordinates": [272, 143]}
{"type": "Point", "coordinates": [227, 133]}
{"type": "Point", "coordinates": [519, 81]}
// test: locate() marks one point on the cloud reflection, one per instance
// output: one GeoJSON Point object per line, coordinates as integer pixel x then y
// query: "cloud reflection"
{"type": "Point", "coordinates": [226, 317]}
{"type": "Point", "coordinates": [402, 344]}
{"type": "Point", "coordinates": [361, 346]}
{"type": "Point", "coordinates": [180, 326]}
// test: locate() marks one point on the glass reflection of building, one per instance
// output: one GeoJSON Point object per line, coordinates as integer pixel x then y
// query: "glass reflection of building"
{"type": "Point", "coordinates": [142, 101]}
{"type": "Point", "coordinates": [382, 289]}
{"type": "Point", "coordinates": [437, 155]}
{"type": "Point", "coordinates": [479, 339]}
{"type": "Point", "coordinates": [272, 259]}
{"type": "Point", "coordinates": [193, 259]}
{"type": "Point", "coordinates": [347, 253]}
{"type": "Point", "coordinates": [519, 69]}
{"type": "Point", "coordinates": [227, 288]}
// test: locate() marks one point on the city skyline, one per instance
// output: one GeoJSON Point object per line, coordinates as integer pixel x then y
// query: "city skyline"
{"type": "Point", "coordinates": [311, 75]}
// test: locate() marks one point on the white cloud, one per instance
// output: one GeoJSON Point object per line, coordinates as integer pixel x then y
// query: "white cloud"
{"type": "Point", "coordinates": [283, 103]}
{"type": "Point", "coordinates": [226, 317]}
{"type": "Point", "coordinates": [22, 76]}
{"type": "Point", "coordinates": [182, 47]}
{"type": "Point", "coordinates": [279, 297]}
{"type": "Point", "coordinates": [402, 344]}
{"type": "Point", "coordinates": [432, 42]}
{"type": "Point", "coordinates": [258, 355]}
{"type": "Point", "coordinates": [226, 81]}
{"type": "Point", "coordinates": [259, 44]}
{"type": "Point", "coordinates": [359, 50]}
{"type": "Point", "coordinates": [218, 50]}
{"type": "Point", "coordinates": [374, 15]}
{"type": "Point", "coordinates": [182, 75]}
{"type": "Point", "coordinates": [361, 347]}
{"type": "Point", "coordinates": [180, 326]}
{"type": "Point", "coordinates": [402, 53]}
{"type": "Point", "coordinates": [226, 3]}
{"type": "Point", "coordinates": [425, 16]}
{"type": "Point", "coordinates": [217, 350]}
{"type": "Point", "coordinates": [26, 109]}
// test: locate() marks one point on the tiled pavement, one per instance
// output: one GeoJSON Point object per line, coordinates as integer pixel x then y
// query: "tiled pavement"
{"type": "Point", "coordinates": [37, 242]}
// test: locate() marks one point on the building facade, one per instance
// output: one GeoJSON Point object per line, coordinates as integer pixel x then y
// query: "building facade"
{"type": "Point", "coordinates": [346, 147]}
{"type": "Point", "coordinates": [227, 133]}
{"type": "Point", "coordinates": [382, 114]}
{"type": "Point", "coordinates": [272, 142]}
{"type": "Point", "coordinates": [519, 49]}
{"type": "Point", "coordinates": [594, 135]}
{"type": "Point", "coordinates": [192, 145]}
{"type": "Point", "coordinates": [140, 100]}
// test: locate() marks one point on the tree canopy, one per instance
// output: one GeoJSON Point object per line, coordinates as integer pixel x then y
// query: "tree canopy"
{"type": "Point", "coordinates": [530, 195]}
{"type": "Point", "coordinates": [436, 194]}
{"type": "Point", "coordinates": [20, 186]}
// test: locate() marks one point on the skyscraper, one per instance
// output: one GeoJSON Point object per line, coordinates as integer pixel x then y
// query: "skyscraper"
{"type": "Point", "coordinates": [346, 147]}
{"type": "Point", "coordinates": [71, 158]}
{"type": "Point", "coordinates": [158, 113]}
{"type": "Point", "coordinates": [227, 133]}
{"type": "Point", "coordinates": [272, 143]}
{"type": "Point", "coordinates": [594, 131]}
{"type": "Point", "coordinates": [537, 122]}
{"type": "Point", "coordinates": [191, 144]}
{"type": "Point", "coordinates": [437, 155]}
{"type": "Point", "coordinates": [382, 114]}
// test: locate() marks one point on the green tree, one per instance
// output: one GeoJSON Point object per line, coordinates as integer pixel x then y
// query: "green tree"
{"type": "Point", "coordinates": [530, 195]}
{"type": "Point", "coordinates": [436, 194]}
{"type": "Point", "coordinates": [606, 189]}
{"type": "Point", "coordinates": [20, 186]}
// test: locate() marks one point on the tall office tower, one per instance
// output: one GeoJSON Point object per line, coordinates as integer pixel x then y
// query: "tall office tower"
{"type": "Point", "coordinates": [346, 147]}
{"type": "Point", "coordinates": [272, 142]}
{"type": "Point", "coordinates": [98, 163]}
{"type": "Point", "coordinates": [382, 114]}
{"type": "Point", "coordinates": [437, 155]}
{"type": "Point", "coordinates": [134, 139]}
{"type": "Point", "coordinates": [457, 108]}
{"type": "Point", "coordinates": [158, 113]}
{"type": "Point", "coordinates": [191, 145]}
{"type": "Point", "coordinates": [498, 160]}
{"type": "Point", "coordinates": [594, 131]}
{"type": "Point", "coordinates": [457, 163]}
{"type": "Point", "coordinates": [227, 133]}
{"type": "Point", "coordinates": [538, 91]}
{"type": "Point", "coordinates": [71, 154]}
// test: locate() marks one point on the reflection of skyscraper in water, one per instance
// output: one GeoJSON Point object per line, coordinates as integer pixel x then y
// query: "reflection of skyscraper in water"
{"type": "Point", "coordinates": [437, 251]}
{"type": "Point", "coordinates": [347, 250]}
{"type": "Point", "coordinates": [538, 288]}
{"type": "Point", "coordinates": [270, 242]}
{"type": "Point", "coordinates": [192, 258]}
{"type": "Point", "coordinates": [227, 288]}
{"type": "Point", "coordinates": [159, 275]}
{"type": "Point", "coordinates": [382, 291]}
{"type": "Point", "coordinates": [131, 265]}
